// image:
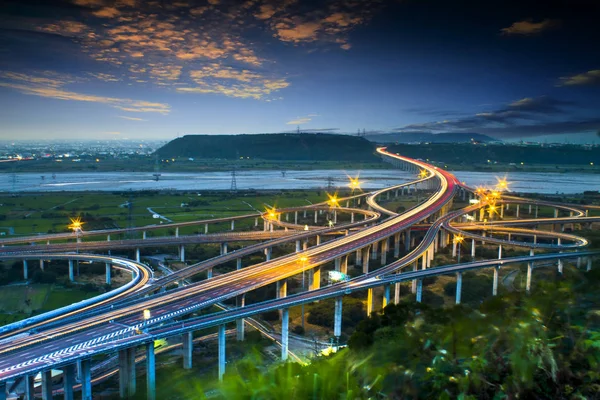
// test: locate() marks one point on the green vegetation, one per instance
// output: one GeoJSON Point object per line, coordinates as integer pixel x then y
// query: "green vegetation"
{"type": "Point", "coordinates": [325, 147]}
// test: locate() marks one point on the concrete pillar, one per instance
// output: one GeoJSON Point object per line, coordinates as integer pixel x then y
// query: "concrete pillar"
{"type": "Point", "coordinates": [397, 245]}
{"type": "Point", "coordinates": [296, 217]}
{"type": "Point", "coordinates": [25, 270]}
{"type": "Point", "coordinates": [365, 259]}
{"type": "Point", "coordinates": [314, 278]}
{"type": "Point", "coordinates": [316, 214]}
{"type": "Point", "coordinates": [560, 266]}
{"type": "Point", "coordinates": [501, 213]}
{"type": "Point", "coordinates": [221, 336]}
{"type": "Point", "coordinates": [42, 265]}
{"type": "Point", "coordinates": [238, 263]}
{"type": "Point", "coordinates": [209, 273]}
{"type": "Point", "coordinates": [182, 253]}
{"type": "Point", "coordinates": [407, 240]}
{"type": "Point", "coordinates": [232, 225]}
{"type": "Point", "coordinates": [473, 248]}
{"type": "Point", "coordinates": [318, 240]}
{"type": "Point", "coordinates": [107, 273]}
{"type": "Point", "coordinates": [338, 264]}
{"type": "Point", "coordinates": [458, 286]}
{"type": "Point", "coordinates": [298, 246]}
{"type": "Point", "coordinates": [374, 248]}
{"type": "Point", "coordinates": [384, 249]}
{"type": "Point", "coordinates": [495, 284]}
{"type": "Point", "coordinates": [397, 292]}
{"type": "Point", "coordinates": [304, 213]}
{"type": "Point", "coordinates": [344, 265]}
{"type": "Point", "coordinates": [144, 235]}
{"type": "Point", "coordinates": [369, 301]}
{"type": "Point", "coordinates": [305, 245]}
{"type": "Point", "coordinates": [71, 271]}
{"type": "Point", "coordinates": [46, 385]}
{"type": "Point", "coordinates": [556, 213]}
{"type": "Point", "coordinates": [86, 380]}
{"type": "Point", "coordinates": [589, 264]}
{"type": "Point", "coordinates": [337, 318]}
{"type": "Point", "coordinates": [285, 328]}
{"type": "Point", "coordinates": [240, 322]}
{"type": "Point", "coordinates": [386, 295]}
{"type": "Point", "coordinates": [268, 253]}
{"type": "Point", "coordinates": [127, 384]}
{"type": "Point", "coordinates": [419, 290]}
{"type": "Point", "coordinates": [187, 339]}
{"type": "Point", "coordinates": [529, 272]}
{"type": "Point", "coordinates": [358, 257]}
{"type": "Point", "coordinates": [517, 213]}
{"type": "Point", "coordinates": [68, 381]}
{"type": "Point", "coordinates": [454, 248]}
{"type": "Point", "coordinates": [108, 238]}
{"type": "Point", "coordinates": [150, 372]}
{"type": "Point", "coordinates": [223, 248]}
{"type": "Point", "coordinates": [499, 252]}
{"type": "Point", "coordinates": [205, 229]}
{"type": "Point", "coordinates": [137, 254]}
{"type": "Point", "coordinates": [177, 232]}
{"type": "Point", "coordinates": [351, 218]}
{"type": "Point", "coordinates": [29, 387]}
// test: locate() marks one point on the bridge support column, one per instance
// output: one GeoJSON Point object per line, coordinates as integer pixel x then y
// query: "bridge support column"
{"type": "Point", "coordinates": [223, 248]}
{"type": "Point", "coordinates": [317, 240]}
{"type": "Point", "coordinates": [314, 278]}
{"type": "Point", "coordinates": [454, 248]}
{"type": "Point", "coordinates": [127, 384]}
{"type": "Point", "coordinates": [233, 225]}
{"type": "Point", "coordinates": [238, 263]}
{"type": "Point", "coordinates": [176, 232]}
{"type": "Point", "coordinates": [187, 339]}
{"type": "Point", "coordinates": [365, 259]}
{"type": "Point", "coordinates": [25, 270]}
{"type": "Point", "coordinates": [384, 250]}
{"type": "Point", "coordinates": [137, 254]}
{"type": "Point", "coordinates": [517, 213]}
{"type": "Point", "coordinates": [281, 292]}
{"type": "Point", "coordinates": [589, 264]}
{"type": "Point", "coordinates": [458, 286]}
{"type": "Point", "coordinates": [221, 336]}
{"type": "Point", "coordinates": [338, 264]}
{"type": "Point", "coordinates": [42, 265]}
{"type": "Point", "coordinates": [529, 272]}
{"type": "Point", "coordinates": [209, 273]}
{"type": "Point", "coordinates": [305, 245]}
{"type": "Point", "coordinates": [316, 215]}
{"type": "Point", "coordinates": [495, 284]}
{"type": "Point", "coordinates": [71, 273]}
{"type": "Point", "coordinates": [337, 317]}
{"type": "Point", "coordinates": [182, 253]}
{"type": "Point", "coordinates": [29, 381]}
{"type": "Point", "coordinates": [285, 330]}
{"type": "Point", "coordinates": [419, 290]}
{"type": "Point", "coordinates": [397, 245]}
{"type": "Point", "coordinates": [296, 217]}
{"type": "Point", "coordinates": [560, 266]}
{"type": "Point", "coordinates": [108, 277]}
{"type": "Point", "coordinates": [386, 295]}
{"type": "Point", "coordinates": [268, 253]}
{"type": "Point", "coordinates": [556, 213]}
{"type": "Point", "coordinates": [205, 229]}
{"type": "Point", "coordinates": [86, 380]}
{"type": "Point", "coordinates": [407, 240]}
{"type": "Point", "coordinates": [358, 257]}
{"type": "Point", "coordinates": [501, 213]}
{"type": "Point", "coordinates": [499, 252]}
{"type": "Point", "coordinates": [472, 248]}
{"type": "Point", "coordinates": [68, 381]}
{"type": "Point", "coordinates": [369, 301]}
{"type": "Point", "coordinates": [46, 385]}
{"type": "Point", "coordinates": [150, 372]}
{"type": "Point", "coordinates": [344, 264]}
{"type": "Point", "coordinates": [240, 323]}
{"type": "Point", "coordinates": [3, 391]}
{"type": "Point", "coordinates": [351, 218]}
{"type": "Point", "coordinates": [374, 247]}
{"type": "Point", "coordinates": [397, 293]}
{"type": "Point", "coordinates": [298, 246]}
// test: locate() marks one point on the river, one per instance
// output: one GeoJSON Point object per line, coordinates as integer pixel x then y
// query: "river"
{"type": "Point", "coordinates": [525, 182]}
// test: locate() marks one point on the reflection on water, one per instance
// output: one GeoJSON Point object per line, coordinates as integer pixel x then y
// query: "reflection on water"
{"type": "Point", "coordinates": [370, 179]}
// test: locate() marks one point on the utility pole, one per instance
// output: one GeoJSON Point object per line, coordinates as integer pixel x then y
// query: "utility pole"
{"type": "Point", "coordinates": [233, 180]}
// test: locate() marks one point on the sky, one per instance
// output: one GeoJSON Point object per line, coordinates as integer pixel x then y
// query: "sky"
{"type": "Point", "coordinates": [158, 69]}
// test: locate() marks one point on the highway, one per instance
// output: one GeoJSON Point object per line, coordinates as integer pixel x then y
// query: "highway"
{"type": "Point", "coordinates": [106, 329]}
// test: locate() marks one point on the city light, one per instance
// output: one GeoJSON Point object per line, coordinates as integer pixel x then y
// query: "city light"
{"type": "Point", "coordinates": [76, 224]}
{"type": "Point", "coordinates": [423, 174]}
{"type": "Point", "coordinates": [147, 315]}
{"type": "Point", "coordinates": [271, 213]}
{"type": "Point", "coordinates": [333, 200]}
{"type": "Point", "coordinates": [502, 184]}
{"type": "Point", "coordinates": [458, 239]}
{"type": "Point", "coordinates": [354, 183]}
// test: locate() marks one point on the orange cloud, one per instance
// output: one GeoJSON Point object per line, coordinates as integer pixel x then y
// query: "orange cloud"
{"type": "Point", "coordinates": [588, 78]}
{"type": "Point", "coordinates": [528, 27]}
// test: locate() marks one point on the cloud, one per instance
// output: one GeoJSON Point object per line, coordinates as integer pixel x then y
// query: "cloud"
{"type": "Point", "coordinates": [132, 118]}
{"type": "Point", "coordinates": [525, 117]}
{"type": "Point", "coordinates": [112, 133]}
{"type": "Point", "coordinates": [40, 86]}
{"type": "Point", "coordinates": [588, 78]}
{"type": "Point", "coordinates": [107, 12]}
{"type": "Point", "coordinates": [528, 27]}
{"type": "Point", "coordinates": [302, 120]}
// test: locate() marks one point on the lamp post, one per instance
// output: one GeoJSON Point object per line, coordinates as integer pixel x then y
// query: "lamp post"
{"type": "Point", "coordinates": [75, 226]}
{"type": "Point", "coordinates": [458, 241]}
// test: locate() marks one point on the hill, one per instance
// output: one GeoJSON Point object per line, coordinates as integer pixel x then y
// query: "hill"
{"type": "Point", "coordinates": [301, 147]}
{"type": "Point", "coordinates": [427, 137]}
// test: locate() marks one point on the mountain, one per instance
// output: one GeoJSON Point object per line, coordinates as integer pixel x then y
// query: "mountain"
{"type": "Point", "coordinates": [282, 146]}
{"type": "Point", "coordinates": [426, 137]}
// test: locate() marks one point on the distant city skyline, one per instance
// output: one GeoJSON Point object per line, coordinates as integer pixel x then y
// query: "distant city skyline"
{"type": "Point", "coordinates": [112, 69]}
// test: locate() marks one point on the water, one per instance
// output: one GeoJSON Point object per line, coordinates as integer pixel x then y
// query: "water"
{"type": "Point", "coordinates": [526, 182]}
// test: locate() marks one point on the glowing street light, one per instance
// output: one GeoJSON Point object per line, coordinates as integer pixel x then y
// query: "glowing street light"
{"type": "Point", "coordinates": [502, 184]}
{"type": "Point", "coordinates": [76, 224]}
{"type": "Point", "coordinates": [147, 315]}
{"type": "Point", "coordinates": [354, 183]}
{"type": "Point", "coordinates": [458, 240]}
{"type": "Point", "coordinates": [333, 200]}
{"type": "Point", "coordinates": [423, 174]}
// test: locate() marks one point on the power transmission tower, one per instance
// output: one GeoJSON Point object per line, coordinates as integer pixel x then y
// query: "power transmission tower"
{"type": "Point", "coordinates": [233, 180]}
{"type": "Point", "coordinates": [156, 173]}
{"type": "Point", "coordinates": [330, 184]}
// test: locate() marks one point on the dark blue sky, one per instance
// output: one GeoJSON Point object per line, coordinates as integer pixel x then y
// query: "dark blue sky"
{"type": "Point", "coordinates": [158, 69]}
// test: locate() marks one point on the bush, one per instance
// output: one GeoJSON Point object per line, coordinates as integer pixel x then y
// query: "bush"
{"type": "Point", "coordinates": [40, 276]}
{"type": "Point", "coordinates": [298, 330]}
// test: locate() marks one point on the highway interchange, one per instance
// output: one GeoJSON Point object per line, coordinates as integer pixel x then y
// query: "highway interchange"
{"type": "Point", "coordinates": [117, 322]}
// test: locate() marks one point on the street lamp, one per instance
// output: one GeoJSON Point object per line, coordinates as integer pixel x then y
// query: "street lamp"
{"type": "Point", "coordinates": [354, 183]}
{"type": "Point", "coordinates": [76, 227]}
{"type": "Point", "coordinates": [333, 200]}
{"type": "Point", "coordinates": [423, 174]}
